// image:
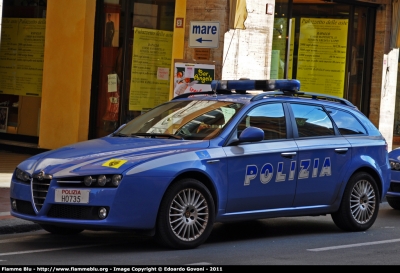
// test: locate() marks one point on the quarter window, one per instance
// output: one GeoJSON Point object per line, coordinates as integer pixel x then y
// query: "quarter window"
{"type": "Point", "coordinates": [312, 120]}
{"type": "Point", "coordinates": [346, 122]}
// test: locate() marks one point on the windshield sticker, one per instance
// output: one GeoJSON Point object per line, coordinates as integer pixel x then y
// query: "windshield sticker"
{"type": "Point", "coordinates": [114, 163]}
{"type": "Point", "coordinates": [203, 154]}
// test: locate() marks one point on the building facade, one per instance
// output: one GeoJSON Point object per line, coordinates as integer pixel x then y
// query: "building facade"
{"type": "Point", "coordinates": [73, 70]}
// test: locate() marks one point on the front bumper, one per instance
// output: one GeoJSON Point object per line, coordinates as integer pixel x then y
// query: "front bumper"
{"type": "Point", "coordinates": [131, 206]}
{"type": "Point", "coordinates": [394, 188]}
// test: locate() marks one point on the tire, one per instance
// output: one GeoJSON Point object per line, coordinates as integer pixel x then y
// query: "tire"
{"type": "Point", "coordinates": [394, 202]}
{"type": "Point", "coordinates": [186, 215]}
{"type": "Point", "coordinates": [355, 213]}
{"type": "Point", "coordinates": [60, 230]}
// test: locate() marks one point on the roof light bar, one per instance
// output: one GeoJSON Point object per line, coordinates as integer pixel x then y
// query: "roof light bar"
{"type": "Point", "coordinates": [265, 85]}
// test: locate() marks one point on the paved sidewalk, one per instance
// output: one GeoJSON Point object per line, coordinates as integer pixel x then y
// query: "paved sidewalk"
{"type": "Point", "coordinates": [8, 223]}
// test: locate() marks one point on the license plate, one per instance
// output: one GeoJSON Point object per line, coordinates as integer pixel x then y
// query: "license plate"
{"type": "Point", "coordinates": [72, 196]}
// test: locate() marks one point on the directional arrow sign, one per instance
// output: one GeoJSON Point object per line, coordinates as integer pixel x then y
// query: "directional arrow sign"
{"type": "Point", "coordinates": [204, 34]}
{"type": "Point", "coordinates": [200, 40]}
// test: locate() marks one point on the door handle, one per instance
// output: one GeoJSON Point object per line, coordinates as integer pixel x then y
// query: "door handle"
{"type": "Point", "coordinates": [341, 150]}
{"type": "Point", "coordinates": [213, 161]}
{"type": "Point", "coordinates": [289, 154]}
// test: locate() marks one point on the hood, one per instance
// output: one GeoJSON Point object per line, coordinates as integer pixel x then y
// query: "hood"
{"type": "Point", "coordinates": [107, 155]}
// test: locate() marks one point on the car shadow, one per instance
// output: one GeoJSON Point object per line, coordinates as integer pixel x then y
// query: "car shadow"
{"type": "Point", "coordinates": [271, 228]}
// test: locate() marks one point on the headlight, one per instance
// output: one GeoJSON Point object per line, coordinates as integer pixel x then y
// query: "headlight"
{"type": "Point", "coordinates": [395, 165]}
{"type": "Point", "coordinates": [101, 180]}
{"type": "Point", "coordinates": [21, 175]}
{"type": "Point", "coordinates": [88, 180]}
{"type": "Point", "coordinates": [116, 179]}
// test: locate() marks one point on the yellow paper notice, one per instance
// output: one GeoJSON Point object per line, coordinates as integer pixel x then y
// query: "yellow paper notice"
{"type": "Point", "coordinates": [114, 163]}
{"type": "Point", "coordinates": [322, 55]}
{"type": "Point", "coordinates": [21, 56]}
{"type": "Point", "coordinates": [152, 51]}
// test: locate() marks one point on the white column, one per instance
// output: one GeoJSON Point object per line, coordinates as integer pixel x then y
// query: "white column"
{"type": "Point", "coordinates": [247, 53]}
{"type": "Point", "coordinates": [388, 95]}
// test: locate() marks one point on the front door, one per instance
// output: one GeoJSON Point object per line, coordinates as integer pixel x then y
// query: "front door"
{"type": "Point", "coordinates": [262, 174]}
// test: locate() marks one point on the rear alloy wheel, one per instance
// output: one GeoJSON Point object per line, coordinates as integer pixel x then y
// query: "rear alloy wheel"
{"type": "Point", "coordinates": [186, 215]}
{"type": "Point", "coordinates": [360, 204]}
{"type": "Point", "coordinates": [394, 202]}
{"type": "Point", "coordinates": [60, 230]}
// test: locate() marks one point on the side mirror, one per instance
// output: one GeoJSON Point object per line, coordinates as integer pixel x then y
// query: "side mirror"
{"type": "Point", "coordinates": [251, 134]}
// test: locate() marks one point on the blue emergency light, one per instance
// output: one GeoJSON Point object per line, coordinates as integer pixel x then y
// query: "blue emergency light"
{"type": "Point", "coordinates": [264, 85]}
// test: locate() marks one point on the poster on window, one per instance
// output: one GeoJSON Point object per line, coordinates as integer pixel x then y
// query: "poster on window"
{"type": "Point", "coordinates": [3, 119]}
{"type": "Point", "coordinates": [322, 55]}
{"type": "Point", "coordinates": [151, 63]}
{"type": "Point", "coordinates": [192, 77]}
{"type": "Point", "coordinates": [111, 30]}
{"type": "Point", "coordinates": [21, 56]}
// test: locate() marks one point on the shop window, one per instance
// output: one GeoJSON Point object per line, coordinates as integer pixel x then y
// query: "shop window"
{"type": "Point", "coordinates": [326, 45]}
{"type": "Point", "coordinates": [21, 66]}
{"type": "Point", "coordinates": [135, 66]}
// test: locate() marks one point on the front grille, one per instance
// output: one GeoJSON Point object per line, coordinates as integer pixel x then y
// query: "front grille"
{"type": "Point", "coordinates": [74, 212]}
{"type": "Point", "coordinates": [24, 207]}
{"type": "Point", "coordinates": [39, 191]}
{"type": "Point", "coordinates": [394, 187]}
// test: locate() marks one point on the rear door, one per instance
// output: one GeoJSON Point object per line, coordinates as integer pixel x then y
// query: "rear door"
{"type": "Point", "coordinates": [323, 156]}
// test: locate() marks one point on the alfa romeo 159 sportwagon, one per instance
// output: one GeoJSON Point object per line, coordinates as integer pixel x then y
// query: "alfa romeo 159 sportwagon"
{"type": "Point", "coordinates": [226, 155]}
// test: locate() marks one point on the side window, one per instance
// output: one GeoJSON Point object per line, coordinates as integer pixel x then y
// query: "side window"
{"type": "Point", "coordinates": [346, 122]}
{"type": "Point", "coordinates": [268, 117]}
{"type": "Point", "coordinates": [312, 120]}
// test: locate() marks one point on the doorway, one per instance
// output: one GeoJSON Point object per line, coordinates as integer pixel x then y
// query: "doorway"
{"type": "Point", "coordinates": [328, 47]}
{"type": "Point", "coordinates": [122, 62]}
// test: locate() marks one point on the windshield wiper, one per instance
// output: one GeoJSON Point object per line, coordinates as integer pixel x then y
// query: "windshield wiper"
{"type": "Point", "coordinates": [154, 135]}
{"type": "Point", "coordinates": [120, 135]}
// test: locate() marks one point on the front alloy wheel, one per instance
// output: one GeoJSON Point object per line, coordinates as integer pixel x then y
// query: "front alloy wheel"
{"type": "Point", "coordinates": [360, 204]}
{"type": "Point", "coordinates": [186, 215]}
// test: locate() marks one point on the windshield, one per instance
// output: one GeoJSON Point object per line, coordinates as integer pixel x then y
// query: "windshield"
{"type": "Point", "coordinates": [182, 119]}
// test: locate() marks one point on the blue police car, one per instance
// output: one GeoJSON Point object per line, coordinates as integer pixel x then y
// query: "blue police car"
{"type": "Point", "coordinates": [230, 154]}
{"type": "Point", "coordinates": [393, 194]}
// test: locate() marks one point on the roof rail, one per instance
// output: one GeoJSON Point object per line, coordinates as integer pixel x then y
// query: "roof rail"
{"type": "Point", "coordinates": [328, 97]}
{"type": "Point", "coordinates": [303, 94]}
{"type": "Point", "coordinates": [270, 88]}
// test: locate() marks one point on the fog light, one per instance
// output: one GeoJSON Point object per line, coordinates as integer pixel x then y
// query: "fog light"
{"type": "Point", "coordinates": [14, 204]}
{"type": "Point", "coordinates": [102, 213]}
{"type": "Point", "coordinates": [88, 181]}
{"type": "Point", "coordinates": [101, 180]}
{"type": "Point", "coordinates": [116, 179]}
